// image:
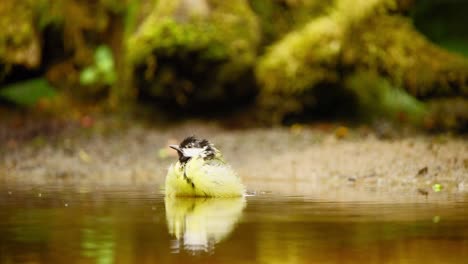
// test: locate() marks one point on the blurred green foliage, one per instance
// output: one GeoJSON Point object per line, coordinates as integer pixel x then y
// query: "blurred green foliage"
{"type": "Point", "coordinates": [102, 71]}
{"type": "Point", "coordinates": [290, 57]}
{"type": "Point", "coordinates": [280, 17]}
{"type": "Point", "coordinates": [27, 93]}
{"type": "Point", "coordinates": [378, 98]}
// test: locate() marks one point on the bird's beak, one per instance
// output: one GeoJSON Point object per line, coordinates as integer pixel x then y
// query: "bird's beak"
{"type": "Point", "coordinates": [176, 147]}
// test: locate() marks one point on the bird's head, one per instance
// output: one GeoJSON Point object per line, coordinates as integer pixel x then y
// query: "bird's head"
{"type": "Point", "coordinates": [192, 147]}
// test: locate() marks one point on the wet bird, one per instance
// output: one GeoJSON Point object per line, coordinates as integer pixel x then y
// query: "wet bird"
{"type": "Point", "coordinates": [201, 171]}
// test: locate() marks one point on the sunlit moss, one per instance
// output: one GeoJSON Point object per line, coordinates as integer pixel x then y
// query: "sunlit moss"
{"type": "Point", "coordinates": [356, 36]}
{"type": "Point", "coordinates": [24, 24]}
{"type": "Point", "coordinates": [213, 41]}
{"type": "Point", "coordinates": [405, 56]}
{"type": "Point", "coordinates": [19, 41]}
{"type": "Point", "coordinates": [277, 18]}
{"type": "Point", "coordinates": [170, 37]}
{"type": "Point", "coordinates": [312, 54]}
{"type": "Point", "coordinates": [302, 59]}
{"type": "Point", "coordinates": [217, 31]}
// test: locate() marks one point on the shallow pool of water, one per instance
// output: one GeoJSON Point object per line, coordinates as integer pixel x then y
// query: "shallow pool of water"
{"type": "Point", "coordinates": [138, 225]}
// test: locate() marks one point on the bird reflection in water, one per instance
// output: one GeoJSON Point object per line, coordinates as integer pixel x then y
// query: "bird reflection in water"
{"type": "Point", "coordinates": [198, 224]}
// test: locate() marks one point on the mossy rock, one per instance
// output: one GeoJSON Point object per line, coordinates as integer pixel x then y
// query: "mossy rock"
{"type": "Point", "coordinates": [190, 52]}
{"type": "Point", "coordinates": [302, 58]}
{"type": "Point", "coordinates": [292, 68]}
{"type": "Point", "coordinates": [19, 39]}
{"type": "Point", "coordinates": [406, 57]}
{"type": "Point", "coordinates": [355, 36]}
{"type": "Point", "coordinates": [314, 53]}
{"type": "Point", "coordinates": [278, 18]}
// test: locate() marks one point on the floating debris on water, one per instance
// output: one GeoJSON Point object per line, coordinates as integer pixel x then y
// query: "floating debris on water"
{"type": "Point", "coordinates": [437, 187]}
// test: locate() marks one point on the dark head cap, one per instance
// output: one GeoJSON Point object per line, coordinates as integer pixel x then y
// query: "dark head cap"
{"type": "Point", "coordinates": [192, 146]}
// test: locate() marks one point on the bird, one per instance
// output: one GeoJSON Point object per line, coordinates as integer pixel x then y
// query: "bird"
{"type": "Point", "coordinates": [201, 171]}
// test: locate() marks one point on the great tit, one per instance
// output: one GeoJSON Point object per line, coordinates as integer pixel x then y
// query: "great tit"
{"type": "Point", "coordinates": [201, 171]}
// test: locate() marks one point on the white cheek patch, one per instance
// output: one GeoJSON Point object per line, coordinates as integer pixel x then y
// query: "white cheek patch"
{"type": "Point", "coordinates": [192, 152]}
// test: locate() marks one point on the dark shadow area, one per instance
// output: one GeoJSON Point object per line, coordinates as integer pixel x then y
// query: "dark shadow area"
{"type": "Point", "coordinates": [443, 22]}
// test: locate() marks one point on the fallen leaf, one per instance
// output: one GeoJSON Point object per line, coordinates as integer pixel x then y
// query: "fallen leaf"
{"type": "Point", "coordinates": [437, 187]}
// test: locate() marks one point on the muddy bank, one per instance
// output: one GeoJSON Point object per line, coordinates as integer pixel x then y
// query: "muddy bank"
{"type": "Point", "coordinates": [292, 161]}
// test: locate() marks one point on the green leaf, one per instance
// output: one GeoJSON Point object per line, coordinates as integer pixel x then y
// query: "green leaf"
{"type": "Point", "coordinates": [27, 93]}
{"type": "Point", "coordinates": [437, 187]}
{"type": "Point", "coordinates": [103, 59]}
{"type": "Point", "coordinates": [88, 76]}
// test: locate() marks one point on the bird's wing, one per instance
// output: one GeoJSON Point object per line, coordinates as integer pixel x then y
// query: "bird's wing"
{"type": "Point", "coordinates": [222, 181]}
{"type": "Point", "coordinates": [216, 179]}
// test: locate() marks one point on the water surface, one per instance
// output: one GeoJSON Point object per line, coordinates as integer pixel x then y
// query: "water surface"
{"type": "Point", "coordinates": [137, 225]}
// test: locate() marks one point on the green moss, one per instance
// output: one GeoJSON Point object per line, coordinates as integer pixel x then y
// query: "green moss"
{"type": "Point", "coordinates": [187, 48]}
{"type": "Point", "coordinates": [169, 37]}
{"type": "Point", "coordinates": [302, 59]}
{"type": "Point", "coordinates": [377, 98]}
{"type": "Point", "coordinates": [220, 34]}
{"type": "Point", "coordinates": [406, 57]}
{"type": "Point", "coordinates": [311, 55]}
{"type": "Point", "coordinates": [357, 36]}
{"type": "Point", "coordinates": [21, 23]}
{"type": "Point", "coordinates": [19, 41]}
{"type": "Point", "coordinates": [277, 18]}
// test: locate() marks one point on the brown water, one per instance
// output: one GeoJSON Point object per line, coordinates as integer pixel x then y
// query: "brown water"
{"type": "Point", "coordinates": [122, 225]}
